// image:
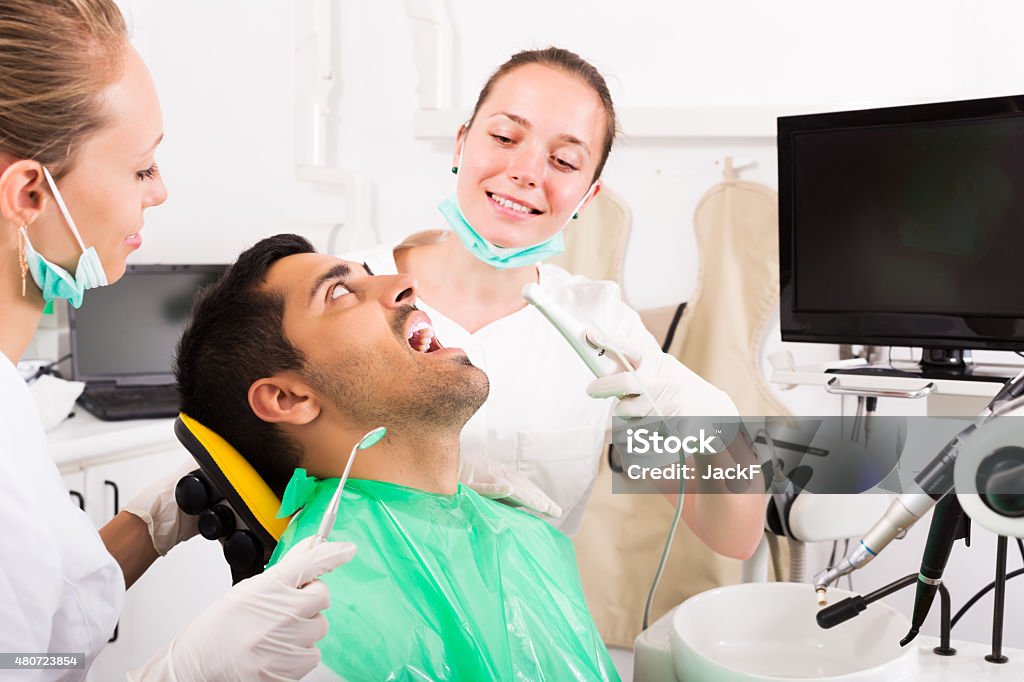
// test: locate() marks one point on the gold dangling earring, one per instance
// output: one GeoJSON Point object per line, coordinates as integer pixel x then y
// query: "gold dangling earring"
{"type": "Point", "coordinates": [22, 260]}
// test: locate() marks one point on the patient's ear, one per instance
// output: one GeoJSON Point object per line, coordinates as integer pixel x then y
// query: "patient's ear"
{"type": "Point", "coordinates": [284, 399]}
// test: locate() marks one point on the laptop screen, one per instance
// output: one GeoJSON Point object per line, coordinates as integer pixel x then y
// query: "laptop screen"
{"type": "Point", "coordinates": [127, 332]}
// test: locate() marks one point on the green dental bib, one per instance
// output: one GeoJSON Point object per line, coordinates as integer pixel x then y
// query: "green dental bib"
{"type": "Point", "coordinates": [447, 587]}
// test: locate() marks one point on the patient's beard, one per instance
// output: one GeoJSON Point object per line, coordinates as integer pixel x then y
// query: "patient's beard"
{"type": "Point", "coordinates": [434, 399]}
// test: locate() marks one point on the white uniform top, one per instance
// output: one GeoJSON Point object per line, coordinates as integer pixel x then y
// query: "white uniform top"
{"type": "Point", "coordinates": [538, 417]}
{"type": "Point", "coordinates": [60, 590]}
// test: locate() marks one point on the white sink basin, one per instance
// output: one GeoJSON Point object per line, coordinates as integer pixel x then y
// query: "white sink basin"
{"type": "Point", "coordinates": [767, 631]}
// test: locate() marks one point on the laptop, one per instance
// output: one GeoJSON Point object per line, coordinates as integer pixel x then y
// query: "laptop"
{"type": "Point", "coordinates": [124, 336]}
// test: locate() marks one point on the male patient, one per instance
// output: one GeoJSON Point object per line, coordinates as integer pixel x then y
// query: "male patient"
{"type": "Point", "coordinates": [292, 357]}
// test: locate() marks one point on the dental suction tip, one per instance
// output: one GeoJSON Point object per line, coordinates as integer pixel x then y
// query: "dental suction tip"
{"type": "Point", "coordinates": [910, 637]}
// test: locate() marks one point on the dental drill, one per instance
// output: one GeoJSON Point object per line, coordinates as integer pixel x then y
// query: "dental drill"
{"type": "Point", "coordinates": [936, 479]}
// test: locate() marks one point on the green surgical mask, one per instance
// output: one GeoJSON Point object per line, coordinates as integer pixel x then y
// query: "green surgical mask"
{"type": "Point", "coordinates": [498, 256]}
{"type": "Point", "coordinates": [54, 281]}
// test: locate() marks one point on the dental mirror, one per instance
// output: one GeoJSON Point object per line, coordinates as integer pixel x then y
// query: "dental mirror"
{"type": "Point", "coordinates": [331, 514]}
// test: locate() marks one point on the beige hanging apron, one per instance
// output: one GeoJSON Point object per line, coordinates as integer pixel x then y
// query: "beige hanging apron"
{"type": "Point", "coordinates": [595, 244]}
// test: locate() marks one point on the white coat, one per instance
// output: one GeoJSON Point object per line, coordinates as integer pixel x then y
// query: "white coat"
{"type": "Point", "coordinates": [60, 590]}
{"type": "Point", "coordinates": [538, 417]}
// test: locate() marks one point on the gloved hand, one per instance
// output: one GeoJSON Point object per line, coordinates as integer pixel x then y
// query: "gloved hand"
{"type": "Point", "coordinates": [264, 628]}
{"type": "Point", "coordinates": [155, 505]}
{"type": "Point", "coordinates": [498, 482]}
{"type": "Point", "coordinates": [660, 385]}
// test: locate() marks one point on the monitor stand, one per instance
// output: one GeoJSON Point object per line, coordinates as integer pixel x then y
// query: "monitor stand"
{"type": "Point", "coordinates": [936, 363]}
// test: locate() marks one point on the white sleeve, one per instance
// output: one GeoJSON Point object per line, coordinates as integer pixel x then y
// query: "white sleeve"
{"type": "Point", "coordinates": [30, 571]}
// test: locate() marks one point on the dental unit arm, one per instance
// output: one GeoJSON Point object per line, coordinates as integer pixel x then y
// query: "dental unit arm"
{"type": "Point", "coordinates": [905, 510]}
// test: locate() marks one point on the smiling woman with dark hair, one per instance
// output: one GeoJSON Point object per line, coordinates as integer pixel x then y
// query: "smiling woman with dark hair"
{"type": "Point", "coordinates": [527, 162]}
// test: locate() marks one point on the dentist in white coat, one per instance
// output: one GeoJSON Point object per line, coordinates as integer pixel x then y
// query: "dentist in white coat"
{"type": "Point", "coordinates": [79, 127]}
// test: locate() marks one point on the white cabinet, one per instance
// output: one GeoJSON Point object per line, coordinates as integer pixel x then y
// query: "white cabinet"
{"type": "Point", "coordinates": [104, 465]}
{"type": "Point", "coordinates": [75, 483]}
{"type": "Point", "coordinates": [173, 591]}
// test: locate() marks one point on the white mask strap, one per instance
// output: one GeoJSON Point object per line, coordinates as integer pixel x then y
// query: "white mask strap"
{"type": "Point", "coordinates": [462, 152]}
{"type": "Point", "coordinates": [63, 208]}
{"type": "Point", "coordinates": [584, 199]}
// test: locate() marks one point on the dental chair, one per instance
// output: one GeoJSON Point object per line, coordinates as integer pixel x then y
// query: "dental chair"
{"type": "Point", "coordinates": [234, 504]}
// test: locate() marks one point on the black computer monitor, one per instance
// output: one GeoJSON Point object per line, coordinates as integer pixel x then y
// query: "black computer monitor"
{"type": "Point", "coordinates": [904, 226]}
{"type": "Point", "coordinates": [126, 333]}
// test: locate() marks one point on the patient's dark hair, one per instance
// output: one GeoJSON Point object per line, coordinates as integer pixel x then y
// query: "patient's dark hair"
{"type": "Point", "coordinates": [235, 337]}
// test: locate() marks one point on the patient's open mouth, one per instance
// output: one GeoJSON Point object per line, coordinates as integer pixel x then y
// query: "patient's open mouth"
{"type": "Point", "coordinates": [421, 338]}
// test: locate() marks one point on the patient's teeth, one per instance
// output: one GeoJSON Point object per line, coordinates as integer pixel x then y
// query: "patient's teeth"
{"type": "Point", "coordinates": [421, 335]}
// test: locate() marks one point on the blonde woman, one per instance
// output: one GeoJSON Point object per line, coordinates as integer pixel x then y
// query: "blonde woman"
{"type": "Point", "coordinates": [79, 127]}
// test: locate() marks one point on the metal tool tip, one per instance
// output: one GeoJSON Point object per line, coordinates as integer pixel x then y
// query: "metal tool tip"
{"type": "Point", "coordinates": [910, 637]}
{"type": "Point", "coordinates": [372, 437]}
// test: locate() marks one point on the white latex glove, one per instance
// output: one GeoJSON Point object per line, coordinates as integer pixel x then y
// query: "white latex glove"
{"type": "Point", "coordinates": [155, 505]}
{"type": "Point", "coordinates": [498, 482]}
{"type": "Point", "coordinates": [264, 628]}
{"type": "Point", "coordinates": [660, 385]}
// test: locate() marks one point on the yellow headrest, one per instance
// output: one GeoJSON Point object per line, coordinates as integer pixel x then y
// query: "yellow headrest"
{"type": "Point", "coordinates": [238, 481]}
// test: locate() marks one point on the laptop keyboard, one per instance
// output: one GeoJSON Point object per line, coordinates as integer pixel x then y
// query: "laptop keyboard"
{"type": "Point", "coordinates": [134, 402]}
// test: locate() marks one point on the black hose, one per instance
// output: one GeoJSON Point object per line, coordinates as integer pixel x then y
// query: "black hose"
{"type": "Point", "coordinates": [981, 593]}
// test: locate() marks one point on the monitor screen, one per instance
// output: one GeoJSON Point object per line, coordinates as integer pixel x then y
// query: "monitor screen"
{"type": "Point", "coordinates": [904, 226]}
{"type": "Point", "coordinates": [128, 331]}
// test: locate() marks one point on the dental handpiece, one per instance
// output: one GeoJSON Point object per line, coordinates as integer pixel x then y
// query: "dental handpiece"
{"type": "Point", "coordinates": [902, 513]}
{"type": "Point", "coordinates": [585, 340]}
{"type": "Point", "coordinates": [905, 510]}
